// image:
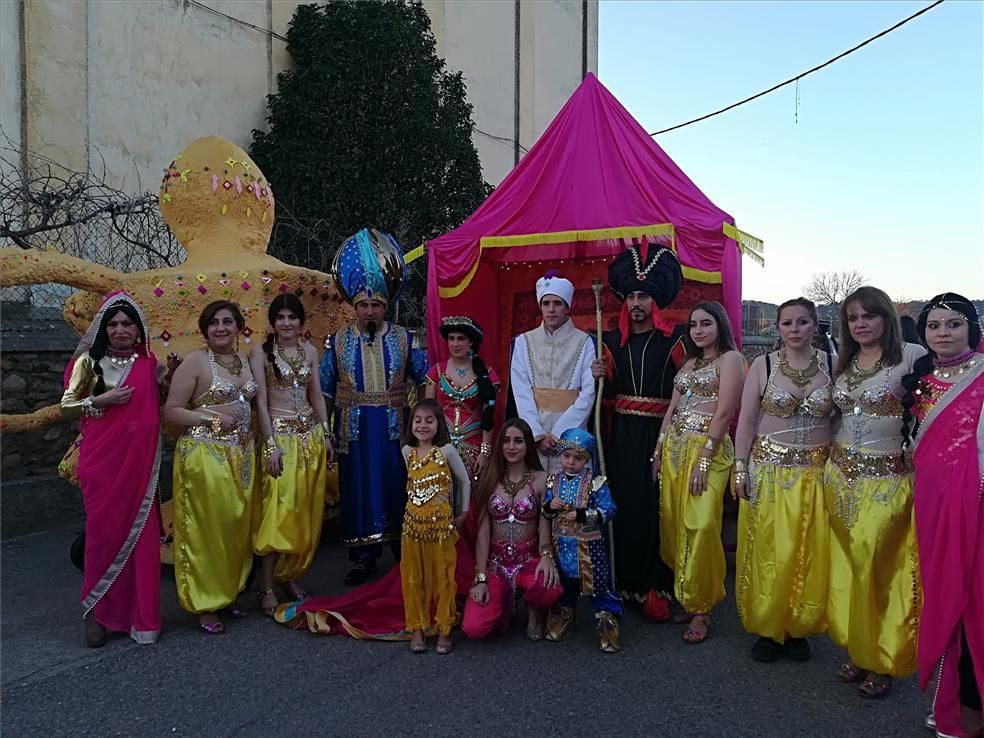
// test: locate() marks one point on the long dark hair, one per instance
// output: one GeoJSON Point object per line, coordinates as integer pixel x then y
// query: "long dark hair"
{"type": "Point", "coordinates": [909, 332]}
{"type": "Point", "coordinates": [101, 342]}
{"type": "Point", "coordinates": [872, 300]}
{"type": "Point", "coordinates": [726, 337]}
{"type": "Point", "coordinates": [496, 467]}
{"type": "Point", "coordinates": [924, 364]}
{"type": "Point", "coordinates": [443, 435]}
{"type": "Point", "coordinates": [286, 301]}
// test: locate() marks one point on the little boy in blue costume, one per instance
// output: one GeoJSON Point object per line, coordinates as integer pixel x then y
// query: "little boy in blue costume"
{"type": "Point", "coordinates": [579, 507]}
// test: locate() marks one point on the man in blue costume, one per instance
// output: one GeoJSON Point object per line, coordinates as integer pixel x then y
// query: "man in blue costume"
{"type": "Point", "coordinates": [367, 372]}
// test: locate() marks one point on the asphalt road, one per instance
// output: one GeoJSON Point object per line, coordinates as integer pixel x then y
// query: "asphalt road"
{"type": "Point", "coordinates": [260, 679]}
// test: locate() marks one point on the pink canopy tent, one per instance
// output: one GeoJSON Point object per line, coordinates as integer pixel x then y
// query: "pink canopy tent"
{"type": "Point", "coordinates": [593, 182]}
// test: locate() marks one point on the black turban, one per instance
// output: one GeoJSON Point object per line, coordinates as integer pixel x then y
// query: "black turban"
{"type": "Point", "coordinates": [632, 271]}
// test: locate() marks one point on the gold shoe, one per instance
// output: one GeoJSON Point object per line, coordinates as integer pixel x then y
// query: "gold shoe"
{"type": "Point", "coordinates": [560, 623]}
{"type": "Point", "coordinates": [609, 637]}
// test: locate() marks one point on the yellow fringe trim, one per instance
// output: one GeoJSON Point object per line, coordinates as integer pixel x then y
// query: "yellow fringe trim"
{"type": "Point", "coordinates": [747, 243]}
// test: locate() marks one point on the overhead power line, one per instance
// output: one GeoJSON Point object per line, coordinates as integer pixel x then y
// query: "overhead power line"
{"type": "Point", "coordinates": [800, 76]}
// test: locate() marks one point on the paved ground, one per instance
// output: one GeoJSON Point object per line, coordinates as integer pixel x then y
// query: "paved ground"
{"type": "Point", "coordinates": [260, 679]}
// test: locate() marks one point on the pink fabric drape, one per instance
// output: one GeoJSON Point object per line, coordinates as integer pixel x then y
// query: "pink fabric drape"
{"type": "Point", "coordinates": [949, 515]}
{"type": "Point", "coordinates": [118, 465]}
{"type": "Point", "coordinates": [593, 168]}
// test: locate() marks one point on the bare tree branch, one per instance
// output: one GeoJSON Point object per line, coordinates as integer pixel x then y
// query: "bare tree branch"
{"type": "Point", "coordinates": [829, 288]}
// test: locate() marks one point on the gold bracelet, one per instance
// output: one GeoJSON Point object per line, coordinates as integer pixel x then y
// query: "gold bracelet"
{"type": "Point", "coordinates": [480, 578]}
{"type": "Point", "coordinates": [741, 477]}
{"type": "Point", "coordinates": [216, 425]}
{"type": "Point", "coordinates": [709, 444]}
{"type": "Point", "coordinates": [704, 464]}
{"type": "Point", "coordinates": [546, 552]}
{"type": "Point", "coordinates": [741, 466]}
{"type": "Point", "coordinates": [485, 448]}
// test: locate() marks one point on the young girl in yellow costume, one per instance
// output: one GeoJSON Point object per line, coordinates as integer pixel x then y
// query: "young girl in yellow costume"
{"type": "Point", "coordinates": [693, 459]}
{"type": "Point", "coordinates": [428, 541]}
{"type": "Point", "coordinates": [294, 473]}
{"type": "Point", "coordinates": [874, 596]}
{"type": "Point", "coordinates": [781, 444]}
{"type": "Point", "coordinates": [214, 465]}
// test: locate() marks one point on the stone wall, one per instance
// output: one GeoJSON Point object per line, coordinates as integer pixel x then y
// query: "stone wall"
{"type": "Point", "coordinates": [28, 382]}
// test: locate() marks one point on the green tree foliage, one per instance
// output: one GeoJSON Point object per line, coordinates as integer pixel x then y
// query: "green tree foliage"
{"type": "Point", "coordinates": [368, 129]}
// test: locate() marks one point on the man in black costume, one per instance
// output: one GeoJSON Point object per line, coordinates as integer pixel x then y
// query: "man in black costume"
{"type": "Point", "coordinates": [640, 361]}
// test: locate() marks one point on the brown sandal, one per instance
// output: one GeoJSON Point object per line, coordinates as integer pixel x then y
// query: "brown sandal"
{"type": "Point", "coordinates": [691, 636]}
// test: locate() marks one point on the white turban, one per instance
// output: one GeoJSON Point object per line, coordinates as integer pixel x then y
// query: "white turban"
{"type": "Point", "coordinates": [551, 284]}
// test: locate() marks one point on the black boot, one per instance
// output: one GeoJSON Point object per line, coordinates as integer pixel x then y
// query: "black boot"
{"type": "Point", "coordinates": [796, 649]}
{"type": "Point", "coordinates": [360, 572]}
{"type": "Point", "coordinates": [766, 650]}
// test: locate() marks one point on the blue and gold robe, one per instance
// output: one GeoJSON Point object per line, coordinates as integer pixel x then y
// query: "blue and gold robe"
{"type": "Point", "coordinates": [369, 384]}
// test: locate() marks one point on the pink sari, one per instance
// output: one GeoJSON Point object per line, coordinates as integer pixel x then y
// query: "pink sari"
{"type": "Point", "coordinates": [119, 461]}
{"type": "Point", "coordinates": [949, 512]}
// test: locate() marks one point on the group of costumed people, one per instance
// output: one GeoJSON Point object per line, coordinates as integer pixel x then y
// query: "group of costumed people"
{"type": "Point", "coordinates": [858, 475]}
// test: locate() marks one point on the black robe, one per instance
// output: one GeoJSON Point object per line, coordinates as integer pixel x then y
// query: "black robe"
{"type": "Point", "coordinates": [628, 446]}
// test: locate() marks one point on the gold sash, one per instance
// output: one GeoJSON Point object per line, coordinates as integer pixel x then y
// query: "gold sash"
{"type": "Point", "coordinates": [554, 400]}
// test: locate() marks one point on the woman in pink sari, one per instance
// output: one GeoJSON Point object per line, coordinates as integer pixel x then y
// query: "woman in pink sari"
{"type": "Point", "coordinates": [112, 387]}
{"type": "Point", "coordinates": [944, 397]}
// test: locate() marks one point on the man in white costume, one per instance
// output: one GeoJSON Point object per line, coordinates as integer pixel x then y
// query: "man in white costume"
{"type": "Point", "coordinates": [550, 373]}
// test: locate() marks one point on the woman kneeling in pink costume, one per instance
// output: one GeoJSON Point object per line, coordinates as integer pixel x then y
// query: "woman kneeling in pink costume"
{"type": "Point", "coordinates": [513, 551]}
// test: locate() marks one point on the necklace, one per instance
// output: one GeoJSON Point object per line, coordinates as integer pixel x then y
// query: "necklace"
{"type": "Point", "coordinates": [945, 370]}
{"type": "Point", "coordinates": [235, 367]}
{"type": "Point", "coordinates": [700, 362]}
{"type": "Point", "coordinates": [459, 371]}
{"type": "Point", "coordinates": [295, 362]}
{"type": "Point", "coordinates": [800, 377]}
{"type": "Point", "coordinates": [510, 487]}
{"type": "Point", "coordinates": [120, 359]}
{"type": "Point", "coordinates": [637, 390]}
{"type": "Point", "coordinates": [640, 272]}
{"type": "Point", "coordinates": [855, 376]}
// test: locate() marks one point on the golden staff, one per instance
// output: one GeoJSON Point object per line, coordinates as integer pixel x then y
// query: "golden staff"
{"type": "Point", "coordinates": [596, 288]}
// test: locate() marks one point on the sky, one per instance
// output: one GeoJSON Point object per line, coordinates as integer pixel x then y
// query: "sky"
{"type": "Point", "coordinates": [881, 169]}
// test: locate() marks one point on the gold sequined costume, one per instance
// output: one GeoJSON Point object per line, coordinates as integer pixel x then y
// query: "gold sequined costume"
{"type": "Point", "coordinates": [292, 505]}
{"type": "Point", "coordinates": [783, 558]}
{"type": "Point", "coordinates": [874, 594]}
{"type": "Point", "coordinates": [690, 525]}
{"type": "Point", "coordinates": [214, 475]}
{"type": "Point", "coordinates": [428, 555]}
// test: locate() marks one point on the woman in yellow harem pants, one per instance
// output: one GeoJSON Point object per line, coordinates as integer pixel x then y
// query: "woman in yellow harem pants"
{"type": "Point", "coordinates": [693, 458]}
{"type": "Point", "coordinates": [214, 470]}
{"type": "Point", "coordinates": [294, 472]}
{"type": "Point", "coordinates": [874, 596]}
{"type": "Point", "coordinates": [781, 444]}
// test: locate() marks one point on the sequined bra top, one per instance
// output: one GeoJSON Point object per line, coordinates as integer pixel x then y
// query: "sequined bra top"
{"type": "Point", "coordinates": [523, 510]}
{"type": "Point", "coordinates": [878, 400]}
{"type": "Point", "coordinates": [782, 404]}
{"type": "Point", "coordinates": [223, 392]}
{"type": "Point", "coordinates": [289, 378]}
{"type": "Point", "coordinates": [698, 386]}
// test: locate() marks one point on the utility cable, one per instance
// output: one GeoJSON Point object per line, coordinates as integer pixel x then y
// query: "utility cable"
{"type": "Point", "coordinates": [803, 74]}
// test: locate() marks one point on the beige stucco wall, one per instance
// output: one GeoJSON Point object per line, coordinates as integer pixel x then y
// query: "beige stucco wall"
{"type": "Point", "coordinates": [132, 82]}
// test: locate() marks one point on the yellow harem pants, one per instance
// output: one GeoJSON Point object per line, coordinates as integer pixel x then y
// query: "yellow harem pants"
{"type": "Point", "coordinates": [690, 525]}
{"type": "Point", "coordinates": [213, 508]}
{"type": "Point", "coordinates": [874, 596]}
{"type": "Point", "coordinates": [293, 504]}
{"type": "Point", "coordinates": [427, 563]}
{"type": "Point", "coordinates": [783, 558]}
